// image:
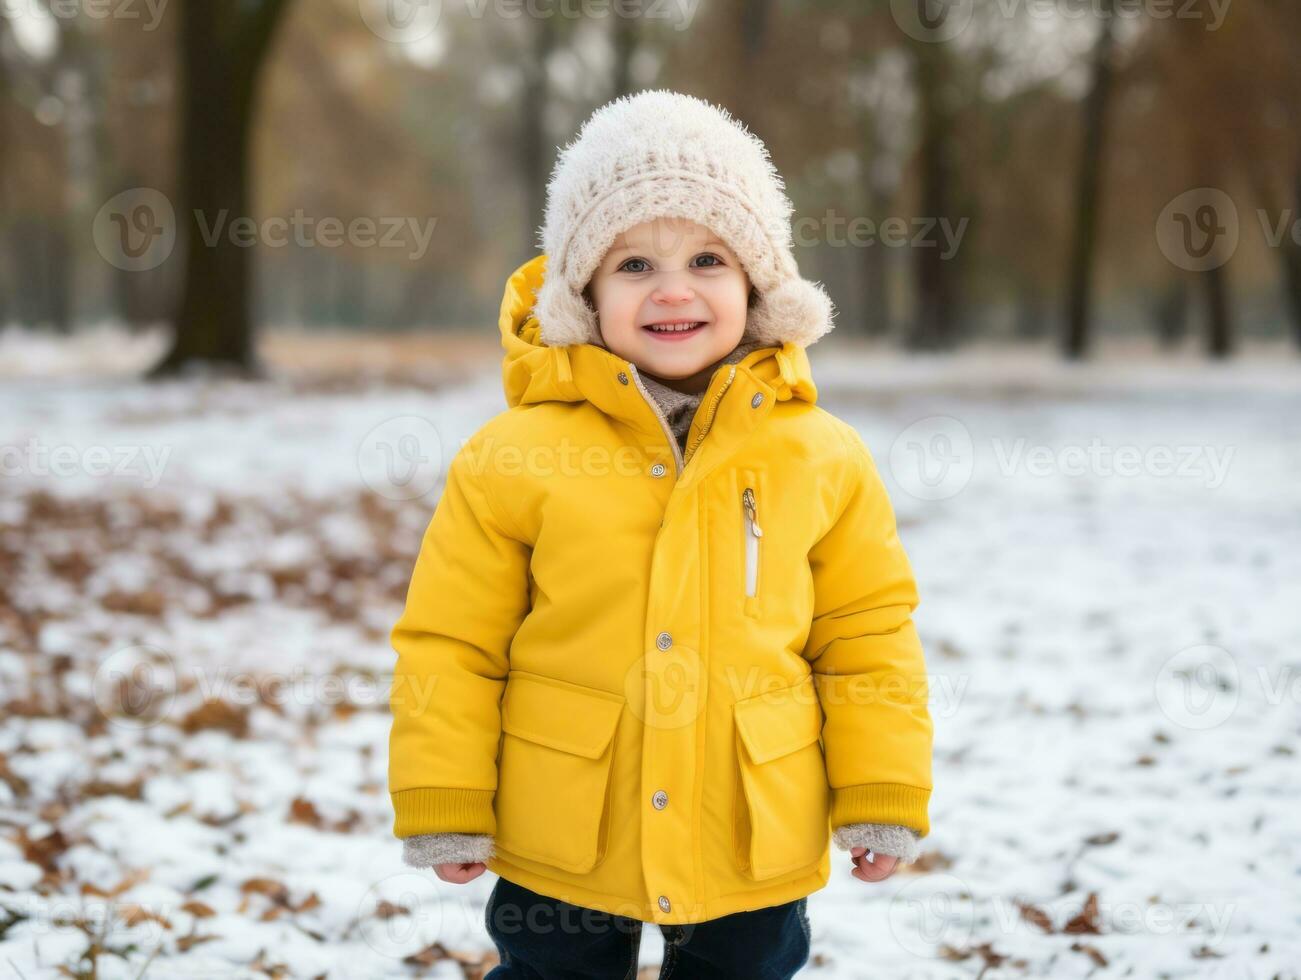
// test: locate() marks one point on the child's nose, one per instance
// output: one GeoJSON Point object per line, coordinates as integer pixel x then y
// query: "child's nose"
{"type": "Point", "coordinates": [673, 288]}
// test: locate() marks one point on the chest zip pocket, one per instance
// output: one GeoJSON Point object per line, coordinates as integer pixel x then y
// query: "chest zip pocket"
{"type": "Point", "coordinates": [753, 538]}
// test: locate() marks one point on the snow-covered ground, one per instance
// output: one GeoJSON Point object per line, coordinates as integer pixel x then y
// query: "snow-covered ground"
{"type": "Point", "coordinates": [197, 581]}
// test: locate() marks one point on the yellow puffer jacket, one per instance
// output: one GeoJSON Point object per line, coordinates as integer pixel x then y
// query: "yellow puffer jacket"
{"type": "Point", "coordinates": [658, 678]}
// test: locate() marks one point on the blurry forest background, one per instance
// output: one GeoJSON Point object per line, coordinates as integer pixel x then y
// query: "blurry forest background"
{"type": "Point", "coordinates": [251, 258]}
{"type": "Point", "coordinates": [1053, 170]}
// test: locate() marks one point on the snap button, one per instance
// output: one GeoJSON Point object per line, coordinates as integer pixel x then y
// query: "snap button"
{"type": "Point", "coordinates": [623, 378]}
{"type": "Point", "coordinates": [658, 470]}
{"type": "Point", "coordinates": [660, 800]}
{"type": "Point", "coordinates": [757, 400]}
{"type": "Point", "coordinates": [664, 641]}
{"type": "Point", "coordinates": [664, 903]}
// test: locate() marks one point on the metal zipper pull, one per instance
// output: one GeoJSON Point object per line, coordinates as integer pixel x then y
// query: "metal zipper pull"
{"type": "Point", "coordinates": [752, 511]}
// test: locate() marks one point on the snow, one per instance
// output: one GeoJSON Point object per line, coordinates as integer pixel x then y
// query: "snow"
{"type": "Point", "coordinates": [1108, 563]}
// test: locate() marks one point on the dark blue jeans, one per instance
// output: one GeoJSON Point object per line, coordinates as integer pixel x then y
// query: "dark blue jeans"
{"type": "Point", "coordinates": [541, 938]}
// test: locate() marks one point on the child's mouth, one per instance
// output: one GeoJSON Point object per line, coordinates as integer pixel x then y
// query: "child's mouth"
{"type": "Point", "coordinates": [672, 332]}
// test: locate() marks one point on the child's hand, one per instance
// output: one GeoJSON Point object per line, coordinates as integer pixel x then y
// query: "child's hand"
{"type": "Point", "coordinates": [459, 874]}
{"type": "Point", "coordinates": [881, 867]}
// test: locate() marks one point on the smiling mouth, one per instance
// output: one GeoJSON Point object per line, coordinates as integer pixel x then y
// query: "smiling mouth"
{"type": "Point", "coordinates": [675, 329]}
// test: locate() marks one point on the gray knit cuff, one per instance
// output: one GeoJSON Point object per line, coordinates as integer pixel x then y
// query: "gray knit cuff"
{"type": "Point", "coordinates": [903, 843]}
{"type": "Point", "coordinates": [429, 850]}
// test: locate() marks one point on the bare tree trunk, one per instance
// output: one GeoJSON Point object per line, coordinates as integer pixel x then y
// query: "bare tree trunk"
{"type": "Point", "coordinates": [1075, 343]}
{"type": "Point", "coordinates": [877, 321]}
{"type": "Point", "coordinates": [1219, 325]}
{"type": "Point", "coordinates": [533, 158]}
{"type": "Point", "coordinates": [935, 277]}
{"type": "Point", "coordinates": [1170, 313]}
{"type": "Point", "coordinates": [755, 18]}
{"type": "Point", "coordinates": [1290, 257]}
{"type": "Point", "coordinates": [222, 49]}
{"type": "Point", "coordinates": [1289, 251]}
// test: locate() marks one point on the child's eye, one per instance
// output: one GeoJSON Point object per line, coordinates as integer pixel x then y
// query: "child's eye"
{"type": "Point", "coordinates": [624, 267]}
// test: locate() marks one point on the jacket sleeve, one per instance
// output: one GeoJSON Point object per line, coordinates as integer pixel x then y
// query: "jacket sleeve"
{"type": "Point", "coordinates": [867, 660]}
{"type": "Point", "coordinates": [469, 593]}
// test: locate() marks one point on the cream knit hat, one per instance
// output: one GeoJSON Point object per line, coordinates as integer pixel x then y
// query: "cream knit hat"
{"type": "Point", "coordinates": [657, 154]}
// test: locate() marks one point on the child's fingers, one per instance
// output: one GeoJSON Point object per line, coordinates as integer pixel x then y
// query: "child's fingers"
{"type": "Point", "coordinates": [877, 870]}
{"type": "Point", "coordinates": [459, 874]}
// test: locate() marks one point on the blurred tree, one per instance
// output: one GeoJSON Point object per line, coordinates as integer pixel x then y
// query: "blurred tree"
{"type": "Point", "coordinates": [877, 95]}
{"type": "Point", "coordinates": [138, 121]}
{"type": "Point", "coordinates": [41, 85]}
{"type": "Point", "coordinates": [534, 158]}
{"type": "Point", "coordinates": [1266, 92]}
{"type": "Point", "coordinates": [1170, 313]}
{"type": "Point", "coordinates": [1196, 88]}
{"type": "Point", "coordinates": [7, 285]}
{"type": "Point", "coordinates": [935, 279]}
{"type": "Point", "coordinates": [354, 127]}
{"type": "Point", "coordinates": [735, 71]}
{"type": "Point", "coordinates": [1089, 185]}
{"type": "Point", "coordinates": [223, 48]}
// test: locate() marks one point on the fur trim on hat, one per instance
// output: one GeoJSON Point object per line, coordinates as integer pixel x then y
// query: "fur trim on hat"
{"type": "Point", "coordinates": [564, 318]}
{"type": "Point", "coordinates": [796, 310]}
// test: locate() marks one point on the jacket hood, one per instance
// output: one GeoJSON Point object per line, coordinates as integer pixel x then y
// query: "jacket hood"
{"type": "Point", "coordinates": [534, 372]}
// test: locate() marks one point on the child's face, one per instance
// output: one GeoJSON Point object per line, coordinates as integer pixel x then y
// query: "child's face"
{"type": "Point", "coordinates": [663, 270]}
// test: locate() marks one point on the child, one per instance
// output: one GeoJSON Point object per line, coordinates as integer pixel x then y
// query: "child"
{"type": "Point", "coordinates": [658, 644]}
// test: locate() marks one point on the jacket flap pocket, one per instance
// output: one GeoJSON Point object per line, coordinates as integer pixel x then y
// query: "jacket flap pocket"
{"type": "Point", "coordinates": [776, 723]}
{"type": "Point", "coordinates": [569, 717]}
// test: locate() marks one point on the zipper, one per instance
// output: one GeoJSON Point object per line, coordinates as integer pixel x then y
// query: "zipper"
{"type": "Point", "coordinates": [664, 423]}
{"type": "Point", "coordinates": [753, 532]}
{"type": "Point", "coordinates": [713, 410]}
{"type": "Point", "coordinates": [678, 457]}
